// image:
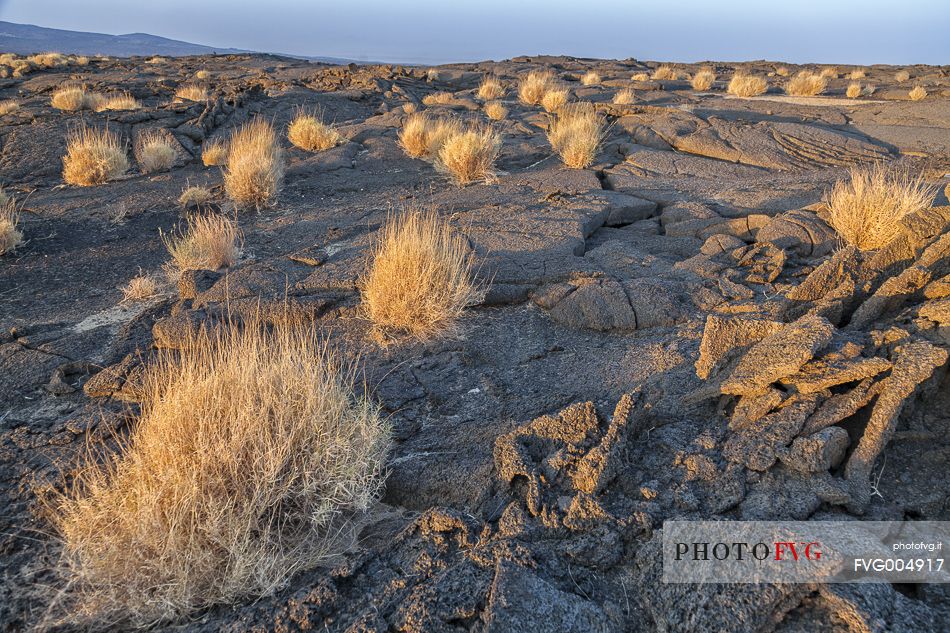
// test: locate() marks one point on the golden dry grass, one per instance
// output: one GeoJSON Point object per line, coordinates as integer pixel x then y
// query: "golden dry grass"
{"type": "Point", "coordinates": [156, 60]}
{"type": "Point", "coordinates": [555, 98]}
{"type": "Point", "coordinates": [49, 60]}
{"type": "Point", "coordinates": [409, 108]}
{"type": "Point", "coordinates": [534, 85]}
{"type": "Point", "coordinates": [155, 152]}
{"type": "Point", "coordinates": [195, 196]}
{"type": "Point", "coordinates": [438, 98]}
{"type": "Point", "coordinates": [640, 77]}
{"type": "Point", "coordinates": [255, 168]}
{"type": "Point", "coordinates": [495, 110]}
{"type": "Point", "coordinates": [854, 90]}
{"type": "Point", "coordinates": [192, 92]}
{"type": "Point", "coordinates": [202, 74]}
{"type": "Point", "coordinates": [858, 73]}
{"type": "Point", "coordinates": [309, 132]}
{"type": "Point", "coordinates": [625, 97]}
{"type": "Point", "coordinates": [901, 76]}
{"type": "Point", "coordinates": [421, 136]}
{"type": "Point", "coordinates": [214, 152]}
{"type": "Point", "coordinates": [747, 85]}
{"type": "Point", "coordinates": [591, 78]}
{"type": "Point", "coordinates": [208, 242]}
{"type": "Point", "coordinates": [782, 71]}
{"type": "Point", "coordinates": [81, 60]}
{"type": "Point", "coordinates": [469, 155]}
{"type": "Point", "coordinates": [10, 235]}
{"type": "Point", "coordinates": [829, 72]}
{"type": "Point", "coordinates": [703, 80]}
{"type": "Point", "coordinates": [806, 84]}
{"type": "Point", "coordinates": [75, 98]}
{"type": "Point", "coordinates": [917, 93]}
{"type": "Point", "coordinates": [253, 458]}
{"type": "Point", "coordinates": [9, 105]}
{"type": "Point", "coordinates": [575, 134]}
{"type": "Point", "coordinates": [139, 288]}
{"type": "Point", "coordinates": [866, 210]}
{"type": "Point", "coordinates": [491, 88]}
{"type": "Point", "coordinates": [93, 156]}
{"type": "Point", "coordinates": [664, 73]}
{"type": "Point", "coordinates": [118, 102]}
{"type": "Point", "coordinates": [420, 279]}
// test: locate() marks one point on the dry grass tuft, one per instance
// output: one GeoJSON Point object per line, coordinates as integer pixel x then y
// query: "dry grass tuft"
{"type": "Point", "coordinates": [917, 94]}
{"type": "Point", "coordinates": [409, 108]}
{"type": "Point", "coordinates": [214, 152]}
{"type": "Point", "coordinates": [49, 60]}
{"type": "Point", "coordinates": [438, 98]}
{"type": "Point", "coordinates": [208, 242]}
{"type": "Point", "coordinates": [139, 288]}
{"type": "Point", "coordinates": [10, 236]}
{"type": "Point", "coordinates": [625, 97]}
{"type": "Point", "coordinates": [858, 73]}
{"type": "Point", "coordinates": [119, 102]}
{"type": "Point", "coordinates": [192, 92]}
{"type": "Point", "coordinates": [782, 71]}
{"type": "Point", "coordinates": [495, 110]}
{"type": "Point", "coordinates": [491, 88]}
{"type": "Point", "coordinates": [75, 98]}
{"type": "Point", "coordinates": [420, 279]}
{"type": "Point", "coordinates": [806, 84]}
{"type": "Point", "coordinates": [253, 458]}
{"type": "Point", "coordinates": [202, 74]}
{"type": "Point", "coordinates": [81, 60]}
{"type": "Point", "coordinates": [155, 152]}
{"type": "Point", "coordinates": [866, 210]}
{"type": "Point", "coordinates": [255, 166]}
{"type": "Point", "coordinates": [555, 98]}
{"type": "Point", "coordinates": [664, 73]}
{"type": "Point", "coordinates": [747, 85]}
{"type": "Point", "coordinates": [534, 85]}
{"type": "Point", "coordinates": [93, 157]}
{"type": "Point", "coordinates": [156, 60]}
{"type": "Point", "coordinates": [309, 132]}
{"type": "Point", "coordinates": [829, 72]}
{"type": "Point", "coordinates": [422, 136]}
{"type": "Point", "coordinates": [591, 78]}
{"type": "Point", "coordinates": [640, 77]}
{"type": "Point", "coordinates": [575, 134]}
{"type": "Point", "coordinates": [854, 90]}
{"type": "Point", "coordinates": [703, 80]}
{"type": "Point", "coordinates": [901, 76]}
{"type": "Point", "coordinates": [469, 155]}
{"type": "Point", "coordinates": [9, 105]}
{"type": "Point", "coordinates": [195, 196]}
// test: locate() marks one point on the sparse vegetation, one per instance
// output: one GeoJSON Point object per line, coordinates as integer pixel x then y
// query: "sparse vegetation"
{"type": "Point", "coordinates": [438, 98]}
{"type": "Point", "coordinates": [195, 196]}
{"type": "Point", "coordinates": [664, 73]}
{"type": "Point", "coordinates": [93, 156]}
{"type": "Point", "coordinates": [534, 85]}
{"type": "Point", "coordinates": [806, 84]}
{"type": "Point", "coordinates": [192, 92]}
{"type": "Point", "coordinates": [491, 88]}
{"type": "Point", "coordinates": [858, 73]}
{"type": "Point", "coordinates": [901, 76]}
{"type": "Point", "coordinates": [575, 134]}
{"type": "Point", "coordinates": [703, 80]}
{"type": "Point", "coordinates": [139, 288]}
{"type": "Point", "coordinates": [208, 242]}
{"type": "Point", "coordinates": [118, 102]}
{"type": "Point", "coordinates": [854, 90]}
{"type": "Point", "coordinates": [422, 136]}
{"type": "Point", "coordinates": [591, 78]}
{"type": "Point", "coordinates": [782, 71]}
{"type": "Point", "coordinates": [214, 152]}
{"type": "Point", "coordinates": [10, 235]}
{"type": "Point", "coordinates": [155, 152]}
{"type": "Point", "coordinates": [554, 98]}
{"type": "Point", "coordinates": [640, 77]}
{"type": "Point", "coordinates": [829, 72]}
{"type": "Point", "coordinates": [309, 132]}
{"type": "Point", "coordinates": [420, 279]}
{"type": "Point", "coordinates": [9, 105]}
{"type": "Point", "coordinates": [253, 458]}
{"type": "Point", "coordinates": [202, 74]}
{"type": "Point", "coordinates": [495, 110]}
{"type": "Point", "coordinates": [255, 166]}
{"type": "Point", "coordinates": [747, 85]}
{"type": "Point", "coordinates": [75, 98]}
{"type": "Point", "coordinates": [867, 209]}
{"type": "Point", "coordinates": [470, 154]}
{"type": "Point", "coordinates": [625, 97]}
{"type": "Point", "coordinates": [918, 93]}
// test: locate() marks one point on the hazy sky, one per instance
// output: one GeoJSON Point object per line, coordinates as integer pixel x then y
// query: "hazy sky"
{"type": "Point", "coordinates": [438, 31]}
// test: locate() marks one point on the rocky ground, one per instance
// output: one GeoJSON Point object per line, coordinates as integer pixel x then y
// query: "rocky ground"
{"type": "Point", "coordinates": [672, 333]}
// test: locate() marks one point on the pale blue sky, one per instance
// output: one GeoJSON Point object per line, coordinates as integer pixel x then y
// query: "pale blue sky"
{"type": "Point", "coordinates": [438, 31]}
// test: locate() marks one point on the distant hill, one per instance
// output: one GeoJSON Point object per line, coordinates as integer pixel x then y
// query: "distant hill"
{"type": "Point", "coordinates": [26, 39]}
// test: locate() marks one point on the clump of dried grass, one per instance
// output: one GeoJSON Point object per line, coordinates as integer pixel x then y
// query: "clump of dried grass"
{"type": "Point", "coordinates": [664, 73]}
{"type": "Point", "coordinates": [782, 71]}
{"type": "Point", "coordinates": [214, 152]}
{"type": "Point", "coordinates": [625, 97]}
{"type": "Point", "coordinates": [469, 155]}
{"type": "Point", "coordinates": [918, 93]}
{"type": "Point", "coordinates": [495, 110]}
{"type": "Point", "coordinates": [253, 458]}
{"type": "Point", "coordinates": [255, 166]}
{"type": "Point", "coordinates": [202, 74]}
{"type": "Point", "coordinates": [575, 134]}
{"type": "Point", "coordinates": [139, 288]}
{"type": "Point", "coordinates": [854, 90]}
{"type": "Point", "coordinates": [640, 77]}
{"type": "Point", "coordinates": [703, 80]}
{"type": "Point", "coordinates": [309, 132]}
{"type": "Point", "coordinates": [93, 156]}
{"type": "Point", "coordinates": [155, 152]}
{"type": "Point", "coordinates": [901, 76]}
{"type": "Point", "coordinates": [866, 210]}
{"type": "Point", "coordinates": [208, 242]}
{"type": "Point", "coordinates": [75, 98]}
{"type": "Point", "coordinates": [421, 136]}
{"type": "Point", "coordinates": [192, 92]}
{"type": "Point", "coordinates": [747, 85]}
{"type": "Point", "coordinates": [10, 235]}
{"type": "Point", "coordinates": [491, 88]}
{"type": "Point", "coordinates": [438, 98]}
{"type": "Point", "coordinates": [858, 73]}
{"type": "Point", "coordinates": [555, 98]}
{"type": "Point", "coordinates": [420, 279]}
{"type": "Point", "coordinates": [591, 78]}
{"type": "Point", "coordinates": [534, 85]}
{"type": "Point", "coordinates": [9, 105]}
{"type": "Point", "coordinates": [195, 196]}
{"type": "Point", "coordinates": [806, 84]}
{"type": "Point", "coordinates": [123, 101]}
{"type": "Point", "coordinates": [829, 72]}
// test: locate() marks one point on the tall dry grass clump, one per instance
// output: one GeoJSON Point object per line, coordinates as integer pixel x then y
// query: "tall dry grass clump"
{"type": "Point", "coordinates": [208, 242]}
{"type": "Point", "coordinates": [829, 72]}
{"type": "Point", "coordinates": [192, 92]}
{"type": "Point", "coordinates": [438, 98]}
{"type": "Point", "coordinates": [575, 135]}
{"type": "Point", "coordinates": [9, 105]}
{"type": "Point", "coordinates": [901, 76]}
{"type": "Point", "coordinates": [591, 78]}
{"type": "Point", "coordinates": [625, 97]}
{"type": "Point", "coordinates": [917, 93]}
{"type": "Point", "coordinates": [10, 235]}
{"type": "Point", "coordinates": [555, 98]}
{"type": "Point", "coordinates": [782, 71]}
{"type": "Point", "coordinates": [469, 155]}
{"type": "Point", "coordinates": [75, 98]}
{"type": "Point", "coordinates": [309, 132]}
{"type": "Point", "coordinates": [640, 77]}
{"type": "Point", "coordinates": [747, 85]}
{"type": "Point", "coordinates": [214, 152]}
{"type": "Point", "coordinates": [155, 152]}
{"type": "Point", "coordinates": [867, 209]}
{"type": "Point", "coordinates": [420, 279]}
{"type": "Point", "coordinates": [703, 80]}
{"type": "Point", "coordinates": [93, 156]}
{"type": "Point", "coordinates": [421, 136]}
{"type": "Point", "coordinates": [858, 73]}
{"type": "Point", "coordinates": [806, 84]}
{"type": "Point", "coordinates": [491, 88]}
{"type": "Point", "coordinates": [139, 288]}
{"type": "Point", "coordinates": [495, 110]}
{"type": "Point", "coordinates": [123, 101]}
{"type": "Point", "coordinates": [255, 166]}
{"type": "Point", "coordinates": [253, 458]}
{"type": "Point", "coordinates": [664, 73]}
{"type": "Point", "coordinates": [534, 85]}
{"type": "Point", "coordinates": [854, 90]}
